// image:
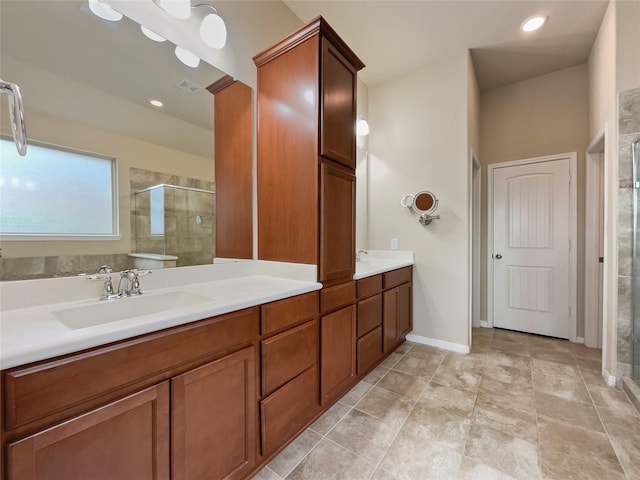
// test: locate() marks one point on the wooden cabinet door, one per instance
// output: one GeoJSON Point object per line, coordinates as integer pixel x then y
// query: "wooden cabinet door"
{"type": "Point", "coordinates": [126, 439]}
{"type": "Point", "coordinates": [337, 222]}
{"type": "Point", "coordinates": [338, 352]}
{"type": "Point", "coordinates": [390, 326]}
{"type": "Point", "coordinates": [214, 419]}
{"type": "Point", "coordinates": [405, 320]}
{"type": "Point", "coordinates": [338, 106]}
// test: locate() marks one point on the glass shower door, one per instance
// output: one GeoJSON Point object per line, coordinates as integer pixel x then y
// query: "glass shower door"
{"type": "Point", "coordinates": [635, 295]}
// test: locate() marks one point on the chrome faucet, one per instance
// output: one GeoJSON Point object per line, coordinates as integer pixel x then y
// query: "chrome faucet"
{"type": "Point", "coordinates": [129, 283]}
{"type": "Point", "coordinates": [358, 254]}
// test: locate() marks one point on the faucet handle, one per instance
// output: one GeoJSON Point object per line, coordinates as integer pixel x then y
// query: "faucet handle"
{"type": "Point", "coordinates": [105, 269]}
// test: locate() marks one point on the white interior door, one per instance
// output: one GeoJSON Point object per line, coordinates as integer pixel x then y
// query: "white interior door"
{"type": "Point", "coordinates": [531, 260]}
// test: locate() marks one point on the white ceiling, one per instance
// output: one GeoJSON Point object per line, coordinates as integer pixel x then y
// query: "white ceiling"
{"type": "Point", "coordinates": [393, 37]}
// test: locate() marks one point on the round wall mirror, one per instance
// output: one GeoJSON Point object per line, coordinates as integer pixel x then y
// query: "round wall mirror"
{"type": "Point", "coordinates": [425, 203]}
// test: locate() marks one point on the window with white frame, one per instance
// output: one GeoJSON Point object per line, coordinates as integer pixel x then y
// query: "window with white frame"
{"type": "Point", "coordinates": [56, 193]}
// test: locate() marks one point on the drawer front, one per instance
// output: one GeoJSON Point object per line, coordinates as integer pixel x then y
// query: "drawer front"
{"type": "Point", "coordinates": [72, 384]}
{"type": "Point", "coordinates": [369, 314]}
{"type": "Point", "coordinates": [288, 409]}
{"type": "Point", "coordinates": [337, 296]}
{"type": "Point", "coordinates": [290, 311]}
{"type": "Point", "coordinates": [397, 277]}
{"type": "Point", "coordinates": [369, 286]}
{"type": "Point", "coordinates": [369, 350]}
{"type": "Point", "coordinates": [288, 354]}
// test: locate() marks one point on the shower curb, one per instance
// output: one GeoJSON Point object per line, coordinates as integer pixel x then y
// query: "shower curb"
{"type": "Point", "coordinates": [633, 391]}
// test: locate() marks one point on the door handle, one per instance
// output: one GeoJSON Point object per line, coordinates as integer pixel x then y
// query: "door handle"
{"type": "Point", "coordinates": [498, 256]}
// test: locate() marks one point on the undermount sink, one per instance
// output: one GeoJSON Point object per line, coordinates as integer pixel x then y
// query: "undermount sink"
{"type": "Point", "coordinates": [123, 308]}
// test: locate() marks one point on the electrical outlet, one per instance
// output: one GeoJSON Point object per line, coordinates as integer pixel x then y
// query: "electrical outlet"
{"type": "Point", "coordinates": [394, 244]}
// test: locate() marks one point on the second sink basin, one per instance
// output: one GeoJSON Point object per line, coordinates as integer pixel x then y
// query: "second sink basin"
{"type": "Point", "coordinates": [120, 309]}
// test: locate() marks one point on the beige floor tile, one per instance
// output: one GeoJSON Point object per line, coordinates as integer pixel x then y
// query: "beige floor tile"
{"type": "Point", "coordinates": [414, 458]}
{"type": "Point", "coordinates": [363, 434]}
{"type": "Point", "coordinates": [628, 452]}
{"type": "Point", "coordinates": [418, 367]}
{"type": "Point", "coordinates": [404, 347]}
{"type": "Point", "coordinates": [330, 418]}
{"type": "Point", "coordinates": [508, 374]}
{"type": "Point", "coordinates": [574, 413]}
{"type": "Point", "coordinates": [510, 455]}
{"type": "Point", "coordinates": [592, 377]}
{"type": "Point", "coordinates": [483, 332]}
{"type": "Point", "coordinates": [550, 368]}
{"type": "Point", "coordinates": [381, 474]}
{"type": "Point", "coordinates": [509, 347]}
{"type": "Point", "coordinates": [294, 453]}
{"type": "Point", "coordinates": [556, 466]}
{"type": "Point", "coordinates": [376, 374]}
{"type": "Point", "coordinates": [392, 408]}
{"type": "Point", "coordinates": [438, 425]}
{"type": "Point", "coordinates": [570, 388]}
{"type": "Point", "coordinates": [579, 443]}
{"type": "Point", "coordinates": [266, 474]}
{"type": "Point", "coordinates": [451, 376]}
{"type": "Point", "coordinates": [329, 461]}
{"type": "Point", "coordinates": [354, 395]}
{"type": "Point", "coordinates": [514, 422]}
{"type": "Point", "coordinates": [613, 399]}
{"type": "Point", "coordinates": [592, 363]}
{"type": "Point", "coordinates": [583, 351]}
{"type": "Point", "coordinates": [551, 344]}
{"type": "Point", "coordinates": [506, 394]}
{"type": "Point", "coordinates": [508, 359]}
{"type": "Point", "coordinates": [451, 399]}
{"type": "Point", "coordinates": [474, 470]}
{"type": "Point", "coordinates": [422, 351]}
{"type": "Point", "coordinates": [391, 360]}
{"type": "Point", "coordinates": [559, 357]}
{"type": "Point", "coordinates": [511, 336]}
{"type": "Point", "coordinates": [620, 425]}
{"type": "Point", "coordinates": [404, 384]}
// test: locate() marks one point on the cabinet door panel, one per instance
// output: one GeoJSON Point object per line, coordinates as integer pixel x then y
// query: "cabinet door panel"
{"type": "Point", "coordinates": [369, 314]}
{"type": "Point", "coordinates": [125, 439]}
{"type": "Point", "coordinates": [338, 110]}
{"type": "Point", "coordinates": [214, 419]}
{"type": "Point", "coordinates": [405, 321]}
{"type": "Point", "coordinates": [369, 350]}
{"type": "Point", "coordinates": [337, 223]}
{"type": "Point", "coordinates": [338, 356]}
{"type": "Point", "coordinates": [390, 328]}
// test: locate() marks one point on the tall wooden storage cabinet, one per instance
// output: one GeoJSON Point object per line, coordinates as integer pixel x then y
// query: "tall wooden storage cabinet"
{"type": "Point", "coordinates": [306, 151]}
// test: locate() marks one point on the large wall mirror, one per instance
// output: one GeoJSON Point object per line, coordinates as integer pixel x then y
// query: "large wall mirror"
{"type": "Point", "coordinates": [87, 84]}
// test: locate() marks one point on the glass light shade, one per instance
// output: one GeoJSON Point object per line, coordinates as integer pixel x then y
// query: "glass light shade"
{"type": "Point", "coordinates": [533, 23]}
{"type": "Point", "coordinates": [213, 31]}
{"type": "Point", "coordinates": [186, 57]}
{"type": "Point", "coordinates": [104, 11]}
{"type": "Point", "coordinates": [176, 8]}
{"type": "Point", "coordinates": [362, 127]}
{"type": "Point", "coordinates": [152, 35]}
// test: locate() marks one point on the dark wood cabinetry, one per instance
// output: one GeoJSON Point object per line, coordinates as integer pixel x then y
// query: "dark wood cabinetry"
{"type": "Point", "coordinates": [128, 438]}
{"type": "Point", "coordinates": [397, 315]}
{"type": "Point", "coordinates": [338, 334]}
{"type": "Point", "coordinates": [306, 151]}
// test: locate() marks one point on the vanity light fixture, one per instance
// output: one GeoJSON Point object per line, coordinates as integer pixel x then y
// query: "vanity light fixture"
{"type": "Point", "coordinates": [104, 11]}
{"type": "Point", "coordinates": [533, 23]}
{"type": "Point", "coordinates": [362, 126]}
{"type": "Point", "coordinates": [151, 35]}
{"type": "Point", "coordinates": [186, 57]}
{"type": "Point", "coordinates": [213, 31]}
{"type": "Point", "coordinates": [176, 8]}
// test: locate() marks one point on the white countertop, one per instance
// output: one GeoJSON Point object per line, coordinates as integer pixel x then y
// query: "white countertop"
{"type": "Point", "coordinates": [37, 332]}
{"type": "Point", "coordinates": [379, 261]}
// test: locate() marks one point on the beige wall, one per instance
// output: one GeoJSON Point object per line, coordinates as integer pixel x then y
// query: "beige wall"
{"type": "Point", "coordinates": [129, 152]}
{"type": "Point", "coordinates": [627, 45]}
{"type": "Point", "coordinates": [419, 142]}
{"type": "Point", "coordinates": [541, 116]}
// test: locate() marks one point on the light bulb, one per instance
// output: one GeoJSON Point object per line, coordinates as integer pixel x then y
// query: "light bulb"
{"type": "Point", "coordinates": [213, 31]}
{"type": "Point", "coordinates": [104, 11]}
{"type": "Point", "coordinates": [186, 57]}
{"type": "Point", "coordinates": [152, 35]}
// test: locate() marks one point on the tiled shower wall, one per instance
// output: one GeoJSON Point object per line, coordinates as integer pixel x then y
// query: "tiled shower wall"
{"type": "Point", "coordinates": [628, 132]}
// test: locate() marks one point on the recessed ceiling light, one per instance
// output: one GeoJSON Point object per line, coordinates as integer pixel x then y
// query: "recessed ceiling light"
{"type": "Point", "coordinates": [156, 103]}
{"type": "Point", "coordinates": [533, 23]}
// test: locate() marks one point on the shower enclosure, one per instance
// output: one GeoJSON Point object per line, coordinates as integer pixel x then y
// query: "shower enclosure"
{"type": "Point", "coordinates": [175, 220]}
{"type": "Point", "coordinates": [635, 282]}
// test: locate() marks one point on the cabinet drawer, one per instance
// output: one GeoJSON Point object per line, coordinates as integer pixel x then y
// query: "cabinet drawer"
{"type": "Point", "coordinates": [369, 350]}
{"type": "Point", "coordinates": [288, 409]}
{"type": "Point", "coordinates": [369, 286]}
{"type": "Point", "coordinates": [397, 277]}
{"type": "Point", "coordinates": [337, 296]}
{"type": "Point", "coordinates": [288, 354]}
{"type": "Point", "coordinates": [290, 311]}
{"type": "Point", "coordinates": [369, 314]}
{"type": "Point", "coordinates": [58, 388]}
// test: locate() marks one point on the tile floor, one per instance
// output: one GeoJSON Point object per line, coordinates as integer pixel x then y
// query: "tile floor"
{"type": "Point", "coordinates": [518, 406]}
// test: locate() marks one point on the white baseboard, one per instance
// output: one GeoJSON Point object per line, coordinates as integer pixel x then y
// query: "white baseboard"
{"type": "Point", "coordinates": [610, 379]}
{"type": "Point", "coordinates": [484, 324]}
{"type": "Point", "coordinates": [432, 342]}
{"type": "Point", "coordinates": [580, 340]}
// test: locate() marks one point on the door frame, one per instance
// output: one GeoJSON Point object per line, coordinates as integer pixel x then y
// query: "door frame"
{"type": "Point", "coordinates": [573, 233]}
{"type": "Point", "coordinates": [593, 183]}
{"type": "Point", "coordinates": [475, 199]}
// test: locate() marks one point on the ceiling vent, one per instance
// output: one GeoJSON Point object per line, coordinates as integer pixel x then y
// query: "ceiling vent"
{"type": "Point", "coordinates": [188, 86]}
